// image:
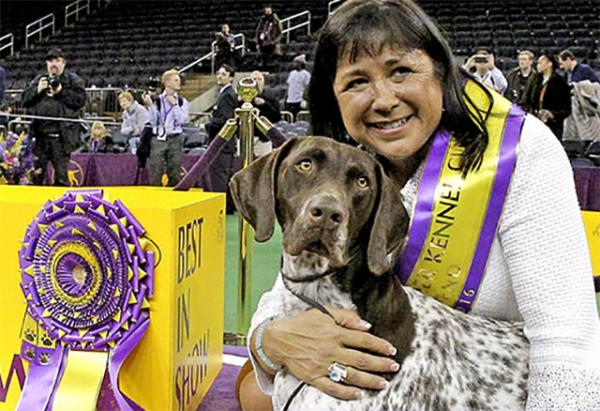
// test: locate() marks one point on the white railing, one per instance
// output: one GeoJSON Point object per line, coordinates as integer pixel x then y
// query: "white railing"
{"type": "Point", "coordinates": [330, 6]}
{"type": "Point", "coordinates": [288, 22]}
{"type": "Point", "coordinates": [74, 8]}
{"type": "Point", "coordinates": [38, 26]}
{"type": "Point", "coordinates": [207, 56]}
{"type": "Point", "coordinates": [211, 55]}
{"type": "Point", "coordinates": [7, 41]}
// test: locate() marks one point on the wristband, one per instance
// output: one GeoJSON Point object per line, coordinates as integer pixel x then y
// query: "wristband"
{"type": "Point", "coordinates": [258, 347]}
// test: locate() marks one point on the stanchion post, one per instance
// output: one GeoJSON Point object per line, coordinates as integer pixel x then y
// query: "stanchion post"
{"type": "Point", "coordinates": [247, 90]}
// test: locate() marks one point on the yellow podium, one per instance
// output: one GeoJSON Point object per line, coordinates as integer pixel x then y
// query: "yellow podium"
{"type": "Point", "coordinates": [180, 355]}
{"type": "Point", "coordinates": [591, 221]}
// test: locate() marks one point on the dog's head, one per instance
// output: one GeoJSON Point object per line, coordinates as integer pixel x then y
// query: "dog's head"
{"type": "Point", "coordinates": [329, 198]}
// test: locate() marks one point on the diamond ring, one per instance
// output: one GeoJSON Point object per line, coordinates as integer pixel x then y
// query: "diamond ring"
{"type": "Point", "coordinates": [337, 372]}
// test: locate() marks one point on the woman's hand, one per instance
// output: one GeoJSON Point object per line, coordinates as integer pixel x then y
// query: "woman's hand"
{"type": "Point", "coordinates": [309, 342]}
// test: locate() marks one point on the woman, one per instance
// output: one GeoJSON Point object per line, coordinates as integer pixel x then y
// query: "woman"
{"type": "Point", "coordinates": [384, 78]}
{"type": "Point", "coordinates": [549, 95]}
{"type": "Point", "coordinates": [100, 141]}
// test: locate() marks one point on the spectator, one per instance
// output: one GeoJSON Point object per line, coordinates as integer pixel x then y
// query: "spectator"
{"type": "Point", "coordinates": [57, 93]}
{"type": "Point", "coordinates": [268, 105]}
{"type": "Point", "coordinates": [482, 66]}
{"type": "Point", "coordinates": [168, 113]}
{"type": "Point", "coordinates": [100, 141]}
{"type": "Point", "coordinates": [3, 82]}
{"type": "Point", "coordinates": [518, 77]}
{"type": "Point", "coordinates": [297, 82]}
{"type": "Point", "coordinates": [224, 47]}
{"type": "Point", "coordinates": [135, 116]}
{"type": "Point", "coordinates": [265, 101]}
{"type": "Point", "coordinates": [576, 72]}
{"type": "Point", "coordinates": [222, 168]}
{"type": "Point", "coordinates": [5, 112]}
{"type": "Point", "coordinates": [268, 36]}
{"type": "Point", "coordinates": [550, 97]}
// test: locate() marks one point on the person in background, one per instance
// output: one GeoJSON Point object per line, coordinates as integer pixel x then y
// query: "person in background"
{"type": "Point", "coordinates": [268, 37]}
{"type": "Point", "coordinates": [221, 169]}
{"type": "Point", "coordinates": [57, 93]}
{"type": "Point", "coordinates": [3, 82]}
{"type": "Point", "coordinates": [549, 97]}
{"type": "Point", "coordinates": [518, 78]}
{"type": "Point", "coordinates": [100, 141]}
{"type": "Point", "coordinates": [384, 77]}
{"type": "Point", "coordinates": [482, 65]}
{"type": "Point", "coordinates": [135, 116]}
{"type": "Point", "coordinates": [268, 105]}
{"type": "Point", "coordinates": [576, 71]}
{"type": "Point", "coordinates": [224, 47]}
{"type": "Point", "coordinates": [168, 114]}
{"type": "Point", "coordinates": [297, 81]}
{"type": "Point", "coordinates": [5, 112]}
{"type": "Point", "coordinates": [265, 101]}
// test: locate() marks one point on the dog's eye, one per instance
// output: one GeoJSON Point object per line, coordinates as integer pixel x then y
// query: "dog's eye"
{"type": "Point", "coordinates": [305, 165]}
{"type": "Point", "coordinates": [362, 182]}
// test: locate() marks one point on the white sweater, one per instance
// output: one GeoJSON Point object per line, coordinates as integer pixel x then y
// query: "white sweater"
{"type": "Point", "coordinates": [539, 272]}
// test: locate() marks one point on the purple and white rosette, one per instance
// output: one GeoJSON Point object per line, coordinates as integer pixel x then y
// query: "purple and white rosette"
{"type": "Point", "coordinates": [87, 273]}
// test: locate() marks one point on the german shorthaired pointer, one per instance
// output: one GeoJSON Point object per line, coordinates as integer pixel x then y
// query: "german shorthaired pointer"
{"type": "Point", "coordinates": [343, 217]}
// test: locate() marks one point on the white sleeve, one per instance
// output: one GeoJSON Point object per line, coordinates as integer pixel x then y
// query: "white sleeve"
{"type": "Point", "coordinates": [500, 82]}
{"type": "Point", "coordinates": [269, 306]}
{"type": "Point", "coordinates": [544, 244]}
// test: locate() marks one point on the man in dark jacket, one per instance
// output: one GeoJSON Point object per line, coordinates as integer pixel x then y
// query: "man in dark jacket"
{"type": "Point", "coordinates": [550, 96]}
{"type": "Point", "coordinates": [269, 32]}
{"type": "Point", "coordinates": [575, 71]}
{"type": "Point", "coordinates": [58, 93]}
{"type": "Point", "coordinates": [222, 167]}
{"type": "Point", "coordinates": [518, 77]}
{"type": "Point", "coordinates": [266, 101]}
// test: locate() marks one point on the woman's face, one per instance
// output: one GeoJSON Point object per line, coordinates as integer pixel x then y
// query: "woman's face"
{"type": "Point", "coordinates": [391, 102]}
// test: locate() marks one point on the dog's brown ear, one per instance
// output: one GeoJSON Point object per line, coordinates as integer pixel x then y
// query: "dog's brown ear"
{"type": "Point", "coordinates": [390, 225]}
{"type": "Point", "coordinates": [253, 191]}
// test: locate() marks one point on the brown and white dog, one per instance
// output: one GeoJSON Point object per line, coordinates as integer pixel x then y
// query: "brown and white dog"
{"type": "Point", "coordinates": [342, 216]}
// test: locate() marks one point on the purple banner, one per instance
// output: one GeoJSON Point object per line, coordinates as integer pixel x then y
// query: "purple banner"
{"type": "Point", "coordinates": [506, 164]}
{"type": "Point", "coordinates": [421, 220]}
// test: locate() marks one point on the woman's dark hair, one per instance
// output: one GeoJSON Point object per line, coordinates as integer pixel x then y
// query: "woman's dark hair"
{"type": "Point", "coordinates": [369, 25]}
{"type": "Point", "coordinates": [551, 58]}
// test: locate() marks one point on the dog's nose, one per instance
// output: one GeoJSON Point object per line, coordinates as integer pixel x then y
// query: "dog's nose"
{"type": "Point", "coordinates": [326, 211]}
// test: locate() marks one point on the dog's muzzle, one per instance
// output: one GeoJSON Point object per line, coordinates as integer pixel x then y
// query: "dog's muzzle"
{"type": "Point", "coordinates": [321, 228]}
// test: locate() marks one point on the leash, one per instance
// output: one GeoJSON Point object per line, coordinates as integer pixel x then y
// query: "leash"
{"type": "Point", "coordinates": [312, 303]}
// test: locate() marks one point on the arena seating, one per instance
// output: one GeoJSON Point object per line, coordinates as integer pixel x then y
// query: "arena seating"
{"type": "Point", "coordinates": [125, 43]}
{"type": "Point", "coordinates": [511, 25]}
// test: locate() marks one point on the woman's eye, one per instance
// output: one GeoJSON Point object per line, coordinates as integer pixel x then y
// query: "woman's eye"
{"type": "Point", "coordinates": [400, 73]}
{"type": "Point", "coordinates": [362, 182]}
{"type": "Point", "coordinates": [355, 83]}
{"type": "Point", "coordinates": [305, 165]}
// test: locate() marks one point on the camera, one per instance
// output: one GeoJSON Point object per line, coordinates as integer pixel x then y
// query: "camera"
{"type": "Point", "coordinates": [481, 59]}
{"type": "Point", "coordinates": [153, 83]}
{"type": "Point", "coordinates": [53, 81]}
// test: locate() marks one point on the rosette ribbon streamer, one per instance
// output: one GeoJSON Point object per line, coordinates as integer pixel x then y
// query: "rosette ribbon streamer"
{"type": "Point", "coordinates": [87, 274]}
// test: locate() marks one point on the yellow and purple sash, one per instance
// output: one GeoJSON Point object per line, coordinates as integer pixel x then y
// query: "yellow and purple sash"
{"type": "Point", "coordinates": [455, 218]}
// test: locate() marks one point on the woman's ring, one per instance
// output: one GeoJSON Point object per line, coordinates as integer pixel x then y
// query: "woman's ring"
{"type": "Point", "coordinates": [337, 372]}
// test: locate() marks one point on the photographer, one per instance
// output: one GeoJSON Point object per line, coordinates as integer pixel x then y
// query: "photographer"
{"type": "Point", "coordinates": [482, 66]}
{"type": "Point", "coordinates": [58, 93]}
{"type": "Point", "coordinates": [168, 113]}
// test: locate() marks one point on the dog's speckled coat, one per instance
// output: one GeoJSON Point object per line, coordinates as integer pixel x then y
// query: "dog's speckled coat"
{"type": "Point", "coordinates": [449, 360]}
